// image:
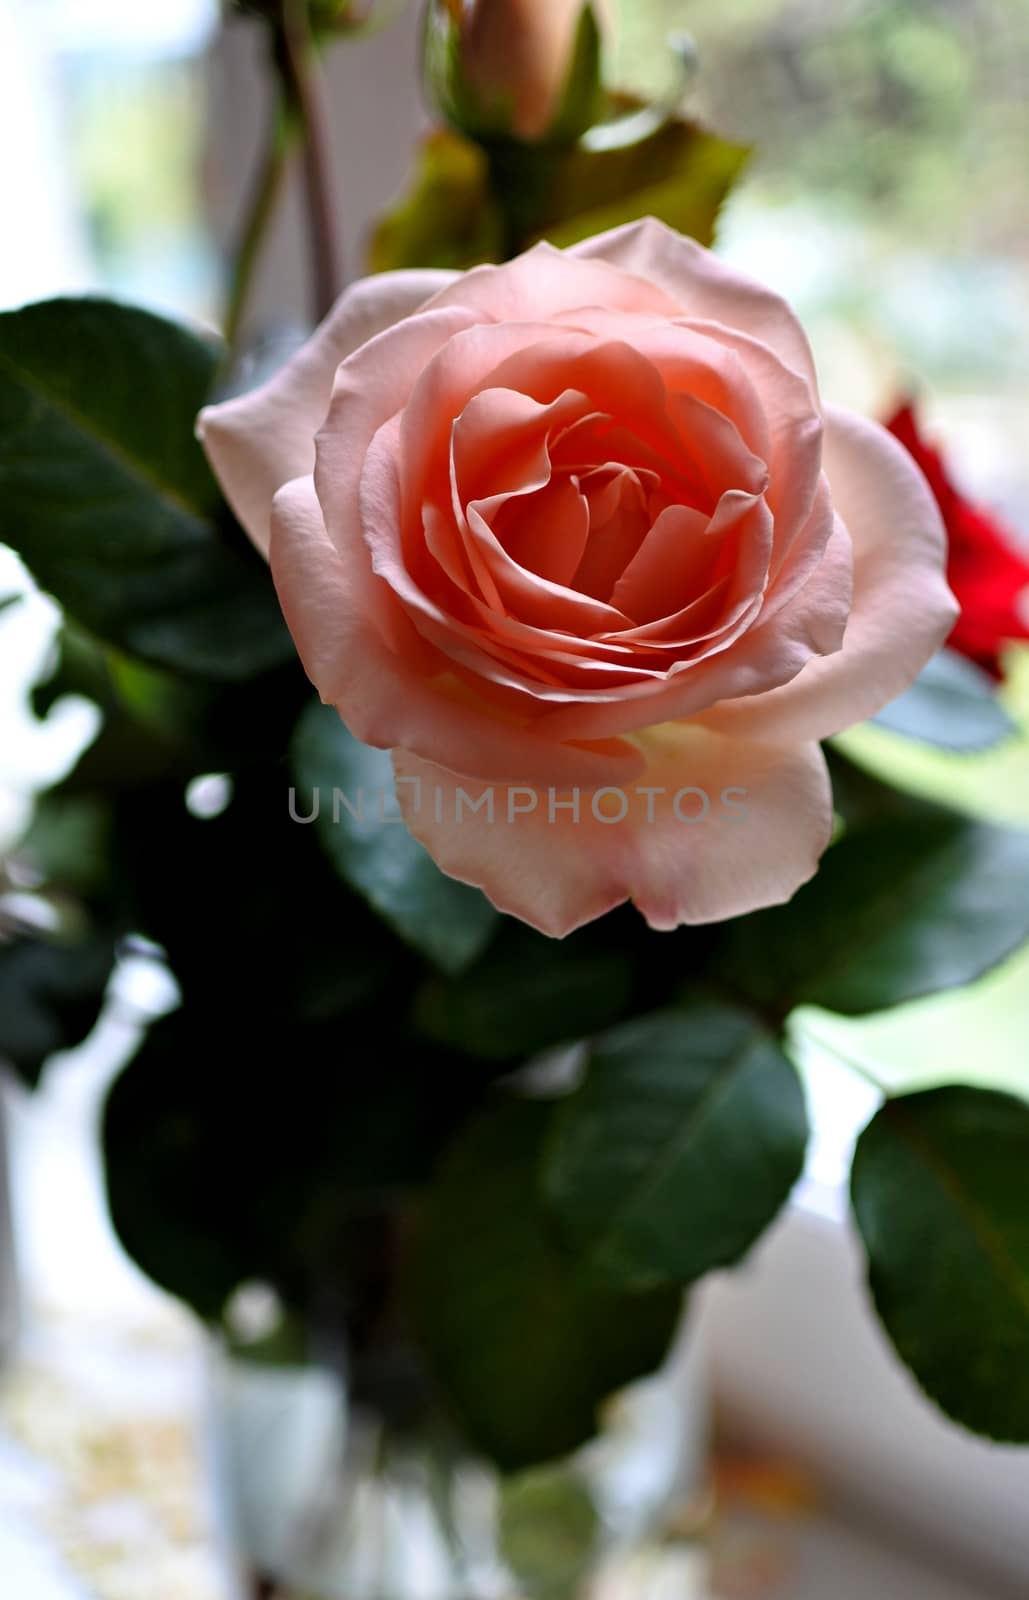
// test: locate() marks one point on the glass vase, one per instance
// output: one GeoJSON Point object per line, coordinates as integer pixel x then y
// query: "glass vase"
{"type": "Point", "coordinates": [322, 1501]}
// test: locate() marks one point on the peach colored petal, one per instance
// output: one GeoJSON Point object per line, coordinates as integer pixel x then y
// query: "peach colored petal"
{"type": "Point", "coordinates": [576, 690]}
{"type": "Point", "coordinates": [370, 386]}
{"type": "Point", "coordinates": [747, 850]}
{"type": "Point", "coordinates": [795, 433]}
{"type": "Point", "coordinates": [694, 358]}
{"type": "Point", "coordinates": [770, 407]}
{"type": "Point", "coordinates": [554, 878]}
{"type": "Point", "coordinates": [714, 828]}
{"type": "Point", "coordinates": [811, 625]}
{"type": "Point", "coordinates": [559, 514]}
{"type": "Point", "coordinates": [542, 362]}
{"type": "Point", "coordinates": [459, 624]}
{"type": "Point", "coordinates": [702, 285]}
{"type": "Point", "coordinates": [618, 500]}
{"type": "Point", "coordinates": [256, 442]}
{"type": "Point", "coordinates": [544, 533]}
{"type": "Point", "coordinates": [674, 567]}
{"type": "Point", "coordinates": [902, 609]}
{"type": "Point", "coordinates": [545, 283]}
{"type": "Point", "coordinates": [389, 699]}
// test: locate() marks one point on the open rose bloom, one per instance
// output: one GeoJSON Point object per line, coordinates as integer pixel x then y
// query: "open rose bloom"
{"type": "Point", "coordinates": [576, 540]}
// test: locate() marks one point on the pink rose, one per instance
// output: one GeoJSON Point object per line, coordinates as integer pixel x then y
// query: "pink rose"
{"type": "Point", "coordinates": [575, 539]}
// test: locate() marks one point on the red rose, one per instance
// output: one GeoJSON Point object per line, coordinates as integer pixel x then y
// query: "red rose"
{"type": "Point", "coordinates": [985, 569]}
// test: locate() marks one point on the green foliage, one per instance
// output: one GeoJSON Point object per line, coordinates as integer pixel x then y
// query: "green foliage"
{"type": "Point", "coordinates": [953, 704]}
{"type": "Point", "coordinates": [447, 218]}
{"type": "Point", "coordinates": [51, 992]}
{"type": "Point", "coordinates": [679, 1148]}
{"type": "Point", "coordinates": [471, 203]}
{"type": "Point", "coordinates": [251, 1145]}
{"type": "Point", "coordinates": [576, 990]}
{"type": "Point", "coordinates": [939, 1192]}
{"type": "Point", "coordinates": [670, 168]}
{"type": "Point", "coordinates": [525, 1348]}
{"type": "Point", "coordinates": [351, 787]}
{"type": "Point", "coordinates": [900, 907]}
{"type": "Point", "coordinates": [106, 496]}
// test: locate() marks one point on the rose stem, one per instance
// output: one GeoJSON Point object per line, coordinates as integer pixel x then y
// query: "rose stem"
{"type": "Point", "coordinates": [304, 87]}
{"type": "Point", "coordinates": [282, 133]}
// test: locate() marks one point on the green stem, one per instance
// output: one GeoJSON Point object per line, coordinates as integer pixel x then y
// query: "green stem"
{"type": "Point", "coordinates": [305, 92]}
{"type": "Point", "coordinates": [282, 134]}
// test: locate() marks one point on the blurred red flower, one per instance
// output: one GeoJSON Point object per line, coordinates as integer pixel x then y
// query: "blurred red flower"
{"type": "Point", "coordinates": [985, 569]}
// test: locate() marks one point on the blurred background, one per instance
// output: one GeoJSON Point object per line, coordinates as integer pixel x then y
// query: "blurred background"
{"type": "Point", "coordinates": [888, 199]}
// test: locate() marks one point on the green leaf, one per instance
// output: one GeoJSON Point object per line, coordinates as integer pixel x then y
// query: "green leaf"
{"type": "Point", "coordinates": [952, 703]}
{"type": "Point", "coordinates": [939, 1193]}
{"type": "Point", "coordinates": [106, 496]}
{"type": "Point", "coordinates": [246, 1145]}
{"type": "Point", "coordinates": [51, 992]}
{"type": "Point", "coordinates": [448, 217]}
{"type": "Point", "coordinates": [248, 911]}
{"type": "Point", "coordinates": [680, 1147]}
{"type": "Point", "coordinates": [642, 165]}
{"type": "Point", "coordinates": [68, 846]}
{"type": "Point", "coordinates": [576, 987]}
{"type": "Point", "coordinates": [351, 787]}
{"type": "Point", "coordinates": [184, 1219]}
{"type": "Point", "coordinates": [859, 797]}
{"type": "Point", "coordinates": [899, 908]}
{"type": "Point", "coordinates": [525, 1349]}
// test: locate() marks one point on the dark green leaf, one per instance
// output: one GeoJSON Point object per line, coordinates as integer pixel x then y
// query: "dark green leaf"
{"type": "Point", "coordinates": [899, 908]}
{"type": "Point", "coordinates": [860, 797]}
{"type": "Point", "coordinates": [939, 1192]}
{"type": "Point", "coordinates": [680, 1147]}
{"type": "Point", "coordinates": [181, 1182]}
{"type": "Point", "coordinates": [525, 1349]}
{"type": "Point", "coordinates": [577, 988]}
{"type": "Point", "coordinates": [158, 725]}
{"type": "Point", "coordinates": [68, 845]}
{"type": "Point", "coordinates": [243, 1145]}
{"type": "Point", "coordinates": [351, 788]}
{"type": "Point", "coordinates": [246, 906]}
{"type": "Point", "coordinates": [952, 703]}
{"type": "Point", "coordinates": [106, 496]}
{"type": "Point", "coordinates": [51, 992]}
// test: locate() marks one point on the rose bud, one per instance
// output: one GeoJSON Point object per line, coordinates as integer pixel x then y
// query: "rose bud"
{"type": "Point", "coordinates": [523, 69]}
{"type": "Point", "coordinates": [985, 568]}
{"type": "Point", "coordinates": [578, 541]}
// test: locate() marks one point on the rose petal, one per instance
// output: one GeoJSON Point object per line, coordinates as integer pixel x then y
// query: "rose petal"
{"type": "Point", "coordinates": [702, 285]}
{"type": "Point", "coordinates": [902, 608]}
{"type": "Point", "coordinates": [388, 698]}
{"type": "Point", "coordinates": [261, 440]}
{"type": "Point", "coordinates": [811, 625]}
{"type": "Point", "coordinates": [713, 829]}
{"type": "Point", "coordinates": [545, 283]}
